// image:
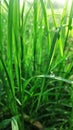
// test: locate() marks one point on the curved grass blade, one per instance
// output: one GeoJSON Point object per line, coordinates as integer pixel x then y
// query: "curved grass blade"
{"type": "Point", "coordinates": [14, 124]}
{"type": "Point", "coordinates": [56, 78]}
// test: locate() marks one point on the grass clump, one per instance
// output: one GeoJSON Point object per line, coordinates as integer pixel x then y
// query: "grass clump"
{"type": "Point", "coordinates": [36, 78]}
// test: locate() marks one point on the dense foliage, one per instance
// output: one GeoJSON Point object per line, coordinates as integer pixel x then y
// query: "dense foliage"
{"type": "Point", "coordinates": [36, 67]}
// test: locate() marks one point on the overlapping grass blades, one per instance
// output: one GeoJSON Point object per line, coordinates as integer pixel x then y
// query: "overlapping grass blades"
{"type": "Point", "coordinates": [32, 52]}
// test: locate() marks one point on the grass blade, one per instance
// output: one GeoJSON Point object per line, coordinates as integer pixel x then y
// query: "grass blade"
{"type": "Point", "coordinates": [4, 123]}
{"type": "Point", "coordinates": [14, 124]}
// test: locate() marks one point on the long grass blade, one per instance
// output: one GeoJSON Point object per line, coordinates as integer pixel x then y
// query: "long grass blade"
{"type": "Point", "coordinates": [10, 24]}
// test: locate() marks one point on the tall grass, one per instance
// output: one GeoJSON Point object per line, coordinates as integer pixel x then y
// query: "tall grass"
{"type": "Point", "coordinates": [36, 65]}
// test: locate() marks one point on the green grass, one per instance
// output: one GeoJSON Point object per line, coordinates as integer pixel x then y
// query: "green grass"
{"type": "Point", "coordinates": [36, 78]}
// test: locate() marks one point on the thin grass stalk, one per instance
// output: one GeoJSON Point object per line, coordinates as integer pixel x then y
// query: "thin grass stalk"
{"type": "Point", "coordinates": [0, 29]}
{"type": "Point", "coordinates": [35, 34]}
{"type": "Point", "coordinates": [22, 39]}
{"type": "Point", "coordinates": [10, 66]}
{"type": "Point", "coordinates": [40, 37]}
{"type": "Point", "coordinates": [53, 15]}
{"type": "Point", "coordinates": [46, 23]}
{"type": "Point", "coordinates": [69, 23]}
{"type": "Point", "coordinates": [56, 25]}
{"type": "Point", "coordinates": [64, 13]}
